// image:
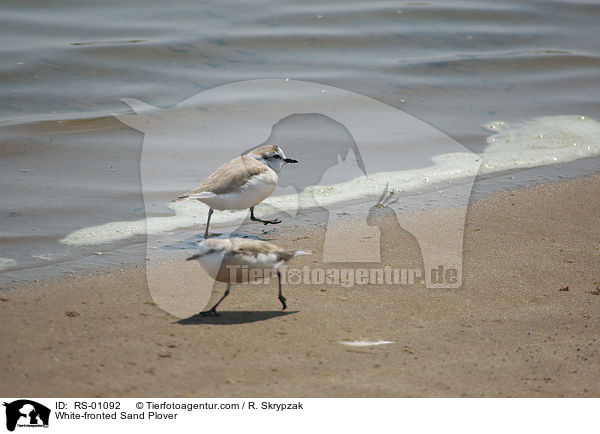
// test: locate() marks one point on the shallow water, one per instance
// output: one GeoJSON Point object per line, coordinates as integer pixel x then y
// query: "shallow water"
{"type": "Point", "coordinates": [69, 164]}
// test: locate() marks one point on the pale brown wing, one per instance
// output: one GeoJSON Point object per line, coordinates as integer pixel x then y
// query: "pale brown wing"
{"type": "Point", "coordinates": [230, 176]}
{"type": "Point", "coordinates": [254, 247]}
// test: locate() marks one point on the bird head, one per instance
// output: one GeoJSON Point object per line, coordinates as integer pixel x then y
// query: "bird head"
{"type": "Point", "coordinates": [272, 156]}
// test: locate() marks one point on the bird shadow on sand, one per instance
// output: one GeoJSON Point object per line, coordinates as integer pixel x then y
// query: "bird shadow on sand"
{"type": "Point", "coordinates": [235, 317]}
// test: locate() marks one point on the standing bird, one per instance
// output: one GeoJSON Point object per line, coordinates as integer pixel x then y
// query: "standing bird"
{"type": "Point", "coordinates": [240, 260]}
{"type": "Point", "coordinates": [242, 182]}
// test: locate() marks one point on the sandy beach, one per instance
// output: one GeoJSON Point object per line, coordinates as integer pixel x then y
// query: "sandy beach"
{"type": "Point", "coordinates": [509, 331]}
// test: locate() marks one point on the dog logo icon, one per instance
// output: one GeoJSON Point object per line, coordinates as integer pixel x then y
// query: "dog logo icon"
{"type": "Point", "coordinates": [26, 413]}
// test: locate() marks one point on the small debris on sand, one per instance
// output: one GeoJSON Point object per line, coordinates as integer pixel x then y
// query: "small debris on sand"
{"type": "Point", "coordinates": [364, 343]}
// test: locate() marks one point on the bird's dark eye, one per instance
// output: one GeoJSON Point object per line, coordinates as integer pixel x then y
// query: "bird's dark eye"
{"type": "Point", "coordinates": [277, 156]}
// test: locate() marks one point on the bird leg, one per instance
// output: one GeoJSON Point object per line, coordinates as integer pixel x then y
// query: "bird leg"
{"type": "Point", "coordinates": [213, 310]}
{"type": "Point", "coordinates": [210, 211]}
{"type": "Point", "coordinates": [206, 235]}
{"type": "Point", "coordinates": [266, 222]}
{"type": "Point", "coordinates": [281, 297]}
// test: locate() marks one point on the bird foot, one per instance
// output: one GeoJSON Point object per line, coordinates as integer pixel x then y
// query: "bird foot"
{"type": "Point", "coordinates": [211, 312]}
{"type": "Point", "coordinates": [266, 222]}
{"type": "Point", "coordinates": [282, 300]}
{"type": "Point", "coordinates": [213, 235]}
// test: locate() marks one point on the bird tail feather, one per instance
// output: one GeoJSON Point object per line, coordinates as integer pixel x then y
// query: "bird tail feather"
{"type": "Point", "coordinates": [201, 195]}
{"type": "Point", "coordinates": [191, 258]}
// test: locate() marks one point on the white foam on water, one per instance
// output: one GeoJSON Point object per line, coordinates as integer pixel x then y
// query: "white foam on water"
{"type": "Point", "coordinates": [540, 142]}
{"type": "Point", "coordinates": [537, 142]}
{"type": "Point", "coordinates": [365, 343]}
{"type": "Point", "coordinates": [48, 256]}
{"type": "Point", "coordinates": [445, 168]}
{"type": "Point", "coordinates": [7, 263]}
{"type": "Point", "coordinates": [192, 213]}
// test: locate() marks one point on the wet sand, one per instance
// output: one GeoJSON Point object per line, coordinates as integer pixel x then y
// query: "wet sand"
{"type": "Point", "coordinates": [509, 331]}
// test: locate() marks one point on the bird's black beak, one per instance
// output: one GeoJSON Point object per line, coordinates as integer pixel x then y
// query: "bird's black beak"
{"type": "Point", "coordinates": [290, 160]}
{"type": "Point", "coordinates": [191, 258]}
